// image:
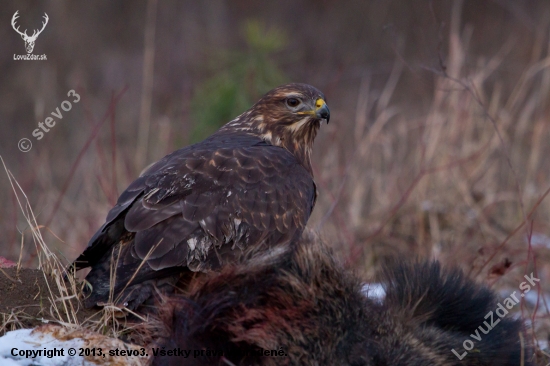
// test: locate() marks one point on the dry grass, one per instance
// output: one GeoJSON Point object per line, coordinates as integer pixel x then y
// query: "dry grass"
{"type": "Point", "coordinates": [62, 305]}
{"type": "Point", "coordinates": [465, 182]}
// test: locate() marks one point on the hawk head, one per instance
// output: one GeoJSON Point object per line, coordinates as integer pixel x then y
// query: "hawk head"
{"type": "Point", "coordinates": [287, 116]}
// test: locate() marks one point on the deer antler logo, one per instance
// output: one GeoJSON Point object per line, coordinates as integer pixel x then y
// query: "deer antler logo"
{"type": "Point", "coordinates": [29, 41]}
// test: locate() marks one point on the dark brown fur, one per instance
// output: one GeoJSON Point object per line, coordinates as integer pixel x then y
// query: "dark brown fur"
{"type": "Point", "coordinates": [304, 303]}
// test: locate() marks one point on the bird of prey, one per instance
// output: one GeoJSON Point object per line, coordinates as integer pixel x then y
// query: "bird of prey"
{"type": "Point", "coordinates": [247, 187]}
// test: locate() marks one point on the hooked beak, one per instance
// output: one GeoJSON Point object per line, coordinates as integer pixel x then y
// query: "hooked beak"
{"type": "Point", "coordinates": [321, 110]}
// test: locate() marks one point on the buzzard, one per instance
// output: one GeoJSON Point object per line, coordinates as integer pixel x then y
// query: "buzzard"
{"type": "Point", "coordinates": [247, 187]}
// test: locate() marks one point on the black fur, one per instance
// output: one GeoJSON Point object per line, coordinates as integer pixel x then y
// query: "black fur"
{"type": "Point", "coordinates": [304, 302]}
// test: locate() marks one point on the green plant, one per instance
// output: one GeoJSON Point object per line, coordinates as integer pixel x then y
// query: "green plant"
{"type": "Point", "coordinates": [248, 74]}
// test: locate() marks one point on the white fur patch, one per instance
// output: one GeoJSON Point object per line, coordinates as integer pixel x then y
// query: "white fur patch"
{"type": "Point", "coordinates": [192, 243]}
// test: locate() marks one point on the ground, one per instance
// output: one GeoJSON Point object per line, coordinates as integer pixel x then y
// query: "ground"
{"type": "Point", "coordinates": [24, 300]}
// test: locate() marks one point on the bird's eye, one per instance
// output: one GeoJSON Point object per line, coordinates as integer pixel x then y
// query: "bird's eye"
{"type": "Point", "coordinates": [293, 102]}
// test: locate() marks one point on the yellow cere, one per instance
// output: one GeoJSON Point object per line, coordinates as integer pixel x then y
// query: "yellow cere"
{"type": "Point", "coordinates": [319, 103]}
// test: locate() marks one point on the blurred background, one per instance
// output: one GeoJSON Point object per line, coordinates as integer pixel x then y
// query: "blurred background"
{"type": "Point", "coordinates": [438, 145]}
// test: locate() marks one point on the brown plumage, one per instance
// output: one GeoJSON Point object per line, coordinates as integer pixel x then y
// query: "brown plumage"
{"type": "Point", "coordinates": [303, 303]}
{"type": "Point", "coordinates": [247, 187]}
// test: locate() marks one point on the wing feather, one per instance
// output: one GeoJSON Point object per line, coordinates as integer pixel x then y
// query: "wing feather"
{"type": "Point", "coordinates": [186, 208]}
{"type": "Point", "coordinates": [163, 237]}
{"type": "Point", "coordinates": [141, 217]}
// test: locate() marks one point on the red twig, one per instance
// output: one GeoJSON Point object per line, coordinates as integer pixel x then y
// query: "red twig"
{"type": "Point", "coordinates": [92, 136]}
